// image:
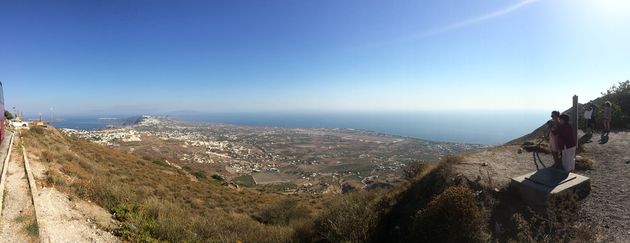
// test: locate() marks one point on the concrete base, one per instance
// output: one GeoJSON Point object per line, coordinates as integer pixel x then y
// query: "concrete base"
{"type": "Point", "coordinates": [536, 187]}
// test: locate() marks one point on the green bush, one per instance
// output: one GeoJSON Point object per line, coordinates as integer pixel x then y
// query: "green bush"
{"type": "Point", "coordinates": [218, 177]}
{"type": "Point", "coordinates": [619, 96]}
{"type": "Point", "coordinates": [8, 115]}
{"type": "Point", "coordinates": [452, 216]}
{"type": "Point", "coordinates": [199, 174]}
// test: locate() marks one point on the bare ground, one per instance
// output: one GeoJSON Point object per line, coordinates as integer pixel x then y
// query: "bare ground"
{"type": "Point", "coordinates": [68, 218]}
{"type": "Point", "coordinates": [72, 220]}
{"type": "Point", "coordinates": [494, 167]}
{"type": "Point", "coordinates": [17, 212]}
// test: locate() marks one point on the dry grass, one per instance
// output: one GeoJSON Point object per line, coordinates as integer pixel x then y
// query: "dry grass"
{"type": "Point", "coordinates": [349, 218]}
{"type": "Point", "coordinates": [452, 216]}
{"type": "Point", "coordinates": [559, 223]}
{"type": "Point", "coordinates": [153, 201]}
{"type": "Point", "coordinates": [583, 163]}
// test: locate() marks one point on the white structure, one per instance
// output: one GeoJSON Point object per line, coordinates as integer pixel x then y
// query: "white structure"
{"type": "Point", "coordinates": [19, 124]}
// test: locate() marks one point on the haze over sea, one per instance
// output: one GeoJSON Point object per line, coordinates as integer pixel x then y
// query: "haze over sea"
{"type": "Point", "coordinates": [479, 127]}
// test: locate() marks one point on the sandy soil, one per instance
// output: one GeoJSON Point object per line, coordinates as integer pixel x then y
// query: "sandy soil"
{"type": "Point", "coordinates": [17, 212]}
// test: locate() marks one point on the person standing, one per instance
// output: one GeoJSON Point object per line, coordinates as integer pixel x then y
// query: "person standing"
{"type": "Point", "coordinates": [607, 116]}
{"type": "Point", "coordinates": [588, 120]}
{"type": "Point", "coordinates": [552, 125]}
{"type": "Point", "coordinates": [566, 143]}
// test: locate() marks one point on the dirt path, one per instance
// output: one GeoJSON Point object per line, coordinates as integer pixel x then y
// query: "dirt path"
{"type": "Point", "coordinates": [67, 218]}
{"type": "Point", "coordinates": [64, 218]}
{"type": "Point", "coordinates": [73, 220]}
{"type": "Point", "coordinates": [608, 205]}
{"type": "Point", "coordinates": [17, 221]}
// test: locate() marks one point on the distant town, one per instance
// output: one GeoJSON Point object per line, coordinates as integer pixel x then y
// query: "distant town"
{"type": "Point", "coordinates": [289, 160]}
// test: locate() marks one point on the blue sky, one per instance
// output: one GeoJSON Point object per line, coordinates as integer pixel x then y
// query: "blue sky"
{"type": "Point", "coordinates": [152, 56]}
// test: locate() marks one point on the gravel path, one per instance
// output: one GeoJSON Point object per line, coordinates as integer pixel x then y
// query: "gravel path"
{"type": "Point", "coordinates": [17, 212]}
{"type": "Point", "coordinates": [608, 205]}
{"type": "Point", "coordinates": [606, 209]}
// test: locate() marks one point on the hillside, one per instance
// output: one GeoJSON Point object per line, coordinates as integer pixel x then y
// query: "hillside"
{"type": "Point", "coordinates": [462, 198]}
{"type": "Point", "coordinates": [152, 200]}
{"type": "Point", "coordinates": [146, 197]}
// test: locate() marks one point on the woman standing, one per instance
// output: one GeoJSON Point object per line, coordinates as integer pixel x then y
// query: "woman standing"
{"type": "Point", "coordinates": [552, 125]}
{"type": "Point", "coordinates": [566, 142]}
{"type": "Point", "coordinates": [607, 116]}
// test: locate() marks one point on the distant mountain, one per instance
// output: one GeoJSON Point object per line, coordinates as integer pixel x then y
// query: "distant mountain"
{"type": "Point", "coordinates": [184, 113]}
{"type": "Point", "coordinates": [135, 120]}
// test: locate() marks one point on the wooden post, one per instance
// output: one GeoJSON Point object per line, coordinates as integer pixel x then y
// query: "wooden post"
{"type": "Point", "coordinates": [575, 118]}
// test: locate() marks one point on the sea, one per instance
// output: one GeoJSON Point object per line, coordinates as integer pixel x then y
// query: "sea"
{"type": "Point", "coordinates": [479, 127]}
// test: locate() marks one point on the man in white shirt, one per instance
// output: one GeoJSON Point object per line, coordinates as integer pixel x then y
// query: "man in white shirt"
{"type": "Point", "coordinates": [588, 120]}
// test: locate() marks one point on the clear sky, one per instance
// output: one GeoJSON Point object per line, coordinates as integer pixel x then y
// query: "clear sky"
{"type": "Point", "coordinates": [148, 56]}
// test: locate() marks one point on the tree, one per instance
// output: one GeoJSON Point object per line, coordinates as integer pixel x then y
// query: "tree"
{"type": "Point", "coordinates": [619, 96]}
{"type": "Point", "coordinates": [8, 115]}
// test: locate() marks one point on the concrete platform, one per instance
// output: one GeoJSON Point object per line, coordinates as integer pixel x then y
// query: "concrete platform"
{"type": "Point", "coordinates": [536, 187]}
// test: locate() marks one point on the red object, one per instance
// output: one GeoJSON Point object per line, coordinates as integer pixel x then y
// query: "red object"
{"type": "Point", "coordinates": [565, 136]}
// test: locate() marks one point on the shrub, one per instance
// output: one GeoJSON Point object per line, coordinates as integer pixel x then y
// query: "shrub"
{"type": "Point", "coordinates": [558, 224]}
{"type": "Point", "coordinates": [619, 96]}
{"type": "Point", "coordinates": [562, 212]}
{"type": "Point", "coordinates": [156, 161]}
{"type": "Point", "coordinates": [282, 213]}
{"type": "Point", "coordinates": [199, 174]}
{"type": "Point", "coordinates": [218, 177]}
{"type": "Point", "coordinates": [413, 169]}
{"type": "Point", "coordinates": [452, 216]}
{"type": "Point", "coordinates": [37, 130]}
{"type": "Point", "coordinates": [166, 220]}
{"type": "Point", "coordinates": [8, 115]}
{"type": "Point", "coordinates": [54, 178]}
{"type": "Point", "coordinates": [69, 157]}
{"type": "Point", "coordinates": [349, 218]}
{"type": "Point", "coordinates": [33, 229]}
{"type": "Point", "coordinates": [582, 163]}
{"type": "Point", "coordinates": [523, 232]}
{"type": "Point", "coordinates": [46, 156]}
{"type": "Point", "coordinates": [160, 162]}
